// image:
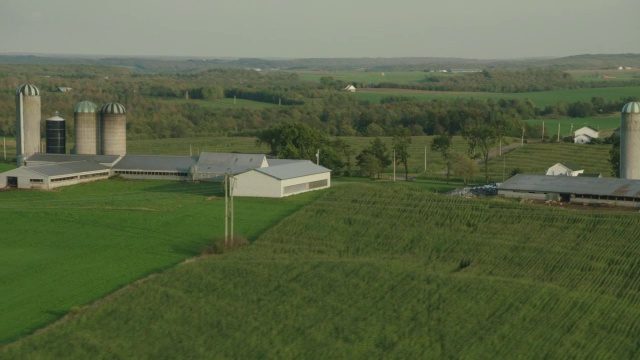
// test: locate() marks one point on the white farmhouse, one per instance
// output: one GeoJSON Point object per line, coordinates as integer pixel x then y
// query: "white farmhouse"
{"type": "Point", "coordinates": [567, 169]}
{"type": "Point", "coordinates": [585, 135]}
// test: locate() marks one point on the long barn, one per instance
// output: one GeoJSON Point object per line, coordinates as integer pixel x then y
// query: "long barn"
{"type": "Point", "coordinates": [576, 190]}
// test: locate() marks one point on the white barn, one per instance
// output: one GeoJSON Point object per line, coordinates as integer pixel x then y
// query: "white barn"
{"type": "Point", "coordinates": [50, 176]}
{"type": "Point", "coordinates": [567, 169]}
{"type": "Point", "coordinates": [585, 134]}
{"type": "Point", "coordinates": [350, 88]}
{"type": "Point", "coordinates": [282, 178]}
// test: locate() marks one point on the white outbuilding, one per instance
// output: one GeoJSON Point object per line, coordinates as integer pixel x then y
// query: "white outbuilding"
{"type": "Point", "coordinates": [567, 169]}
{"type": "Point", "coordinates": [585, 135]}
{"type": "Point", "coordinates": [282, 178]}
{"type": "Point", "coordinates": [349, 88]}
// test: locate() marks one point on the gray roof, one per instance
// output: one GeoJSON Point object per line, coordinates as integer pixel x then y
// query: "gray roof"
{"type": "Point", "coordinates": [277, 162]}
{"type": "Point", "coordinates": [60, 158]}
{"type": "Point", "coordinates": [220, 163]}
{"type": "Point", "coordinates": [293, 170]}
{"type": "Point", "coordinates": [573, 185]}
{"type": "Point", "coordinates": [68, 168]}
{"type": "Point", "coordinates": [155, 162]}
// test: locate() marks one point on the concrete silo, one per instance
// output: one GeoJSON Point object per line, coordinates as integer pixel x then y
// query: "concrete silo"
{"type": "Point", "coordinates": [630, 141]}
{"type": "Point", "coordinates": [27, 122]}
{"type": "Point", "coordinates": [55, 130]}
{"type": "Point", "coordinates": [86, 128]}
{"type": "Point", "coordinates": [113, 129]}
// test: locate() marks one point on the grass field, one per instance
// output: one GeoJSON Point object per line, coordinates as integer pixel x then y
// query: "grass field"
{"type": "Point", "coordinates": [384, 271]}
{"type": "Point", "coordinates": [540, 99]}
{"type": "Point", "coordinates": [605, 75]}
{"type": "Point", "coordinates": [66, 248]}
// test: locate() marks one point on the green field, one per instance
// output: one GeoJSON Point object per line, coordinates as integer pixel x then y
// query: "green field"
{"type": "Point", "coordinates": [66, 248]}
{"type": "Point", "coordinates": [384, 271]}
{"type": "Point", "coordinates": [605, 75]}
{"type": "Point", "coordinates": [540, 99]}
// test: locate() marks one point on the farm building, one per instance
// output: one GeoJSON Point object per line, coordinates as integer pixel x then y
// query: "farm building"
{"type": "Point", "coordinates": [154, 167]}
{"type": "Point", "coordinates": [585, 135]}
{"type": "Point", "coordinates": [53, 175]}
{"type": "Point", "coordinates": [573, 189]}
{"type": "Point", "coordinates": [349, 88]}
{"type": "Point", "coordinates": [282, 179]}
{"type": "Point", "coordinates": [567, 168]}
{"type": "Point", "coordinates": [256, 175]}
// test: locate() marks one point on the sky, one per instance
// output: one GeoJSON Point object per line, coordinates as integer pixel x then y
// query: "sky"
{"type": "Point", "coordinates": [489, 29]}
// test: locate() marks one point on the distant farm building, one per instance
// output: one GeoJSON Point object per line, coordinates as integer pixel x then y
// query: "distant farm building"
{"type": "Point", "coordinates": [567, 169]}
{"type": "Point", "coordinates": [454, 71]}
{"type": "Point", "coordinates": [64, 89]}
{"type": "Point", "coordinates": [573, 189]}
{"type": "Point", "coordinates": [585, 135]}
{"type": "Point", "coordinates": [350, 88]}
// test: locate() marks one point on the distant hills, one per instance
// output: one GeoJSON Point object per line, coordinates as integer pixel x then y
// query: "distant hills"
{"type": "Point", "coordinates": [195, 64]}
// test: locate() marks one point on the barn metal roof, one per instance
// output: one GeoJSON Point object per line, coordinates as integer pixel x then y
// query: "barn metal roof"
{"type": "Point", "coordinates": [61, 158]}
{"type": "Point", "coordinates": [68, 168]}
{"type": "Point", "coordinates": [573, 185]}
{"type": "Point", "coordinates": [155, 162]}
{"type": "Point", "coordinates": [220, 163]}
{"type": "Point", "coordinates": [293, 170]}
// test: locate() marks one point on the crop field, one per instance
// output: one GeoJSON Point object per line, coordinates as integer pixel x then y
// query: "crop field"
{"type": "Point", "coordinates": [567, 126]}
{"type": "Point", "coordinates": [384, 271]}
{"type": "Point", "coordinates": [540, 99]}
{"type": "Point", "coordinates": [536, 158]}
{"type": "Point", "coordinates": [66, 248]}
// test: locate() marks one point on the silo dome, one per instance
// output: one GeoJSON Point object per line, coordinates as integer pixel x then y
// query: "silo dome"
{"type": "Point", "coordinates": [85, 107]}
{"type": "Point", "coordinates": [114, 108]}
{"type": "Point", "coordinates": [631, 108]}
{"type": "Point", "coordinates": [28, 90]}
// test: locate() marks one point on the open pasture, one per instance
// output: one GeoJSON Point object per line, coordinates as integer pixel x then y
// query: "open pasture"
{"type": "Point", "coordinates": [66, 248]}
{"type": "Point", "coordinates": [223, 103]}
{"type": "Point", "coordinates": [606, 124]}
{"type": "Point", "coordinates": [605, 75]}
{"type": "Point", "coordinates": [384, 270]}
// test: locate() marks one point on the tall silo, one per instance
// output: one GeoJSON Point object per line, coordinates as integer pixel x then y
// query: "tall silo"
{"type": "Point", "coordinates": [27, 122]}
{"type": "Point", "coordinates": [56, 135]}
{"type": "Point", "coordinates": [630, 141]}
{"type": "Point", "coordinates": [113, 129]}
{"type": "Point", "coordinates": [86, 128]}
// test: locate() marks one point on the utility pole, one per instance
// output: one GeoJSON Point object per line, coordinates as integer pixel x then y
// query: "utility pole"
{"type": "Point", "coordinates": [190, 153]}
{"type": "Point", "coordinates": [558, 131]}
{"type": "Point", "coordinates": [425, 158]}
{"type": "Point", "coordinates": [523, 136]}
{"type": "Point", "coordinates": [226, 210]}
{"type": "Point", "coordinates": [504, 165]}
{"type": "Point", "coordinates": [232, 186]}
{"type": "Point", "coordinates": [394, 165]}
{"type": "Point", "coordinates": [500, 148]}
{"type": "Point", "coordinates": [318, 157]}
{"type": "Point", "coordinates": [542, 130]}
{"type": "Point", "coordinates": [4, 141]}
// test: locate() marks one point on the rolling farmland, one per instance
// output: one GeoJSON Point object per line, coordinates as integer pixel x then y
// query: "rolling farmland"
{"type": "Point", "coordinates": [384, 270]}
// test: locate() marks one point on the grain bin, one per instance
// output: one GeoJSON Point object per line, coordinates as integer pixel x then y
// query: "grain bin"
{"type": "Point", "coordinates": [27, 122]}
{"type": "Point", "coordinates": [86, 128]}
{"type": "Point", "coordinates": [113, 129]}
{"type": "Point", "coordinates": [56, 135]}
{"type": "Point", "coordinates": [630, 141]}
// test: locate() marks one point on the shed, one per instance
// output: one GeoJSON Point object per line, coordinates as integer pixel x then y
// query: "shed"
{"type": "Point", "coordinates": [282, 180]}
